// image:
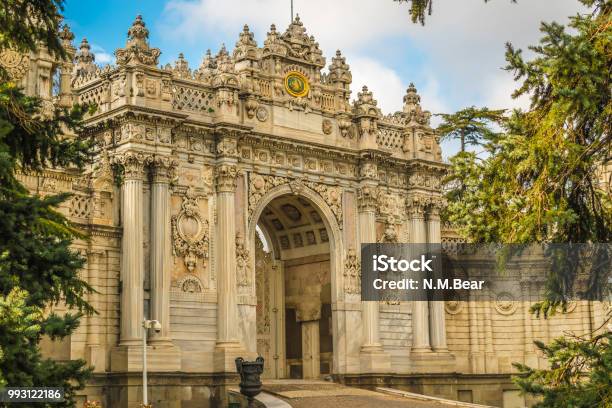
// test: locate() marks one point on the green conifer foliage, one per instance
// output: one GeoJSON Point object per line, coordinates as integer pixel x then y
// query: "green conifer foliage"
{"type": "Point", "coordinates": [38, 269]}
{"type": "Point", "coordinates": [472, 126]}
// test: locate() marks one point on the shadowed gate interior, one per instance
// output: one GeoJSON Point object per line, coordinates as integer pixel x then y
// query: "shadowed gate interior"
{"type": "Point", "coordinates": [292, 272]}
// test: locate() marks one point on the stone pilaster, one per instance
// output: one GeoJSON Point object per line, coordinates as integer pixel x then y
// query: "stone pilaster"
{"type": "Point", "coordinates": [161, 253]}
{"type": "Point", "coordinates": [437, 317]}
{"type": "Point", "coordinates": [372, 358]}
{"type": "Point", "coordinates": [420, 312]}
{"type": "Point", "coordinates": [132, 257]}
{"type": "Point", "coordinates": [94, 353]}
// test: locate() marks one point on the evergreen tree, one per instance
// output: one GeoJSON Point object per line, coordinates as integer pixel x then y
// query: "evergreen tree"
{"type": "Point", "coordinates": [472, 126]}
{"type": "Point", "coordinates": [580, 375]}
{"type": "Point", "coordinates": [539, 181]}
{"type": "Point", "coordinates": [37, 267]}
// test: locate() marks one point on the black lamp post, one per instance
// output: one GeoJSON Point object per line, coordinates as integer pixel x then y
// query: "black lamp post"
{"type": "Point", "coordinates": [250, 382]}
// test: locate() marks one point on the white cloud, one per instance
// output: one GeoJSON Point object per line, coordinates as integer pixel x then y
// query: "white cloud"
{"type": "Point", "coordinates": [386, 85]}
{"type": "Point", "coordinates": [102, 57]}
{"type": "Point", "coordinates": [344, 24]}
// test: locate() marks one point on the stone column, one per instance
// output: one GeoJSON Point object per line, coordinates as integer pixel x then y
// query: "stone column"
{"type": "Point", "coordinates": [437, 316]}
{"type": "Point", "coordinates": [132, 256]}
{"type": "Point", "coordinates": [420, 311]}
{"type": "Point", "coordinates": [228, 345]}
{"type": "Point", "coordinates": [373, 358]}
{"type": "Point", "coordinates": [161, 252]}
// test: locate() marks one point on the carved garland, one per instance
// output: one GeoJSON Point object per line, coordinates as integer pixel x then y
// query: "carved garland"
{"type": "Point", "coordinates": [190, 231]}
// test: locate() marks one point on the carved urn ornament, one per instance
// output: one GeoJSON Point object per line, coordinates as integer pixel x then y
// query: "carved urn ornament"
{"type": "Point", "coordinates": [250, 381]}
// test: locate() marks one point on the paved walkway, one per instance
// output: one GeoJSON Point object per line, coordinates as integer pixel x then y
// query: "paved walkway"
{"type": "Point", "coordinates": [322, 394]}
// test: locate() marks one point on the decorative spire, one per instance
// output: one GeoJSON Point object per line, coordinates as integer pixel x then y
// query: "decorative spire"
{"type": "Point", "coordinates": [225, 62]}
{"type": "Point", "coordinates": [297, 44]}
{"type": "Point", "coordinates": [181, 67]}
{"type": "Point", "coordinates": [85, 58]}
{"type": "Point", "coordinates": [207, 67]}
{"type": "Point", "coordinates": [411, 98]}
{"type": "Point", "coordinates": [138, 34]}
{"type": "Point", "coordinates": [412, 106]}
{"type": "Point", "coordinates": [366, 104]}
{"type": "Point", "coordinates": [137, 48]}
{"type": "Point", "coordinates": [246, 47]}
{"type": "Point", "coordinates": [66, 36]}
{"type": "Point", "coordinates": [339, 69]}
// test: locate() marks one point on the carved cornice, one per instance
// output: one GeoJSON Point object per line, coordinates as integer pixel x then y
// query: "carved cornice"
{"type": "Point", "coordinates": [368, 170]}
{"type": "Point", "coordinates": [226, 177]}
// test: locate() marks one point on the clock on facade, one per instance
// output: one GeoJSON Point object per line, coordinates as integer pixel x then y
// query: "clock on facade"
{"type": "Point", "coordinates": [296, 84]}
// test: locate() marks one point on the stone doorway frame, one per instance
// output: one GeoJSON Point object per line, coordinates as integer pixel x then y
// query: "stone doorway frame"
{"type": "Point", "coordinates": [336, 255]}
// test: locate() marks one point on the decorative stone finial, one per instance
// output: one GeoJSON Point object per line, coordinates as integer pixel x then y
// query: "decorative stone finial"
{"type": "Point", "coordinates": [207, 67]}
{"type": "Point", "coordinates": [412, 106]}
{"type": "Point", "coordinates": [137, 48]}
{"type": "Point", "coordinates": [181, 67]}
{"type": "Point", "coordinates": [366, 105]}
{"type": "Point", "coordinates": [138, 34]}
{"type": "Point", "coordinates": [412, 97]}
{"type": "Point", "coordinates": [339, 69]}
{"type": "Point", "coordinates": [85, 58]}
{"type": "Point", "coordinates": [66, 35]}
{"type": "Point", "coordinates": [246, 47]}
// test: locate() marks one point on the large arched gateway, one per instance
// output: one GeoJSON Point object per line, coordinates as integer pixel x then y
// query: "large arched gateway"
{"type": "Point", "coordinates": [296, 272]}
{"type": "Point", "coordinates": [191, 162]}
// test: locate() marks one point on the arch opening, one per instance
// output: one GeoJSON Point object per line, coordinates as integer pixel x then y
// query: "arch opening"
{"type": "Point", "coordinates": [293, 282]}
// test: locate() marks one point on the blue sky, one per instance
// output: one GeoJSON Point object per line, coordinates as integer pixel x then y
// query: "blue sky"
{"type": "Point", "coordinates": [455, 60]}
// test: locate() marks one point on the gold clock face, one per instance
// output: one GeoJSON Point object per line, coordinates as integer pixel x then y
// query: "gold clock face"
{"type": "Point", "coordinates": [296, 84]}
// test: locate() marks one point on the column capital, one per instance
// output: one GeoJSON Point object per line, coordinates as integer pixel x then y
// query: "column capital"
{"type": "Point", "coordinates": [416, 204]}
{"type": "Point", "coordinates": [367, 198]}
{"type": "Point", "coordinates": [134, 164]}
{"type": "Point", "coordinates": [226, 175]}
{"type": "Point", "coordinates": [163, 169]}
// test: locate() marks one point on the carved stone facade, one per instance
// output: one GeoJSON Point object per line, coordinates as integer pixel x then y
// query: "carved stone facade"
{"type": "Point", "coordinates": [192, 165]}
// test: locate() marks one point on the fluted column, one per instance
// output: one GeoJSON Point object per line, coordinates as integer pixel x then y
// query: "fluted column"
{"type": "Point", "coordinates": [161, 252]}
{"type": "Point", "coordinates": [132, 257]}
{"type": "Point", "coordinates": [437, 316]}
{"type": "Point", "coordinates": [367, 234]}
{"type": "Point", "coordinates": [420, 311]}
{"type": "Point", "coordinates": [227, 312]}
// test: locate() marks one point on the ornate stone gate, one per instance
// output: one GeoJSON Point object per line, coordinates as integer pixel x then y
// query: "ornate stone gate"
{"type": "Point", "coordinates": [187, 161]}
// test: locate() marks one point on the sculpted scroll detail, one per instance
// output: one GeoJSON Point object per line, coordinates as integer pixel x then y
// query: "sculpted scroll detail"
{"type": "Point", "coordinates": [243, 268]}
{"type": "Point", "coordinates": [332, 196]}
{"type": "Point", "coordinates": [190, 232]}
{"type": "Point", "coordinates": [15, 63]}
{"type": "Point", "coordinates": [352, 273]}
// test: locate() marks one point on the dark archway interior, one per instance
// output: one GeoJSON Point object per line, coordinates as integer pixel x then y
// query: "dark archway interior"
{"type": "Point", "coordinates": [294, 240]}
